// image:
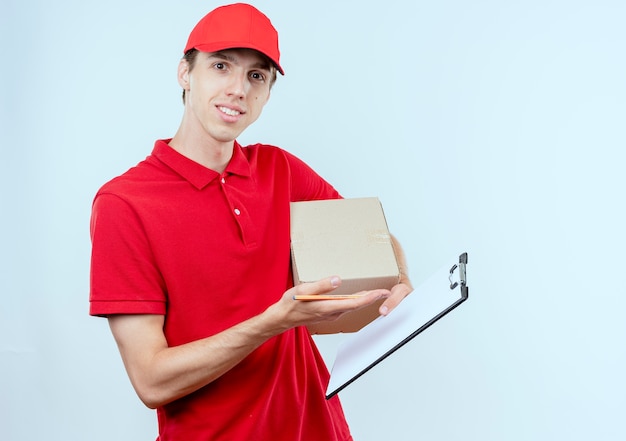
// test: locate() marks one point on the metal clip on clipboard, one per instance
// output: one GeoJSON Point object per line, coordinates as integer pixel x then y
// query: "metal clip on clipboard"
{"type": "Point", "coordinates": [462, 274]}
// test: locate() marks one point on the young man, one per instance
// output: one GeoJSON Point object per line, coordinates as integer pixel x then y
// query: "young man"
{"type": "Point", "coordinates": [191, 259]}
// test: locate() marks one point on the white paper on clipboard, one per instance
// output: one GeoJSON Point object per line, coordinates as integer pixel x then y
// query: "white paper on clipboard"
{"type": "Point", "coordinates": [359, 352]}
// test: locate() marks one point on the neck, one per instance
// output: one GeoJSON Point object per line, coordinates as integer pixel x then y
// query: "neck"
{"type": "Point", "coordinates": [206, 151]}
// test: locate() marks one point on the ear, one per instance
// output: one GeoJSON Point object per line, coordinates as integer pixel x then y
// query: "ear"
{"type": "Point", "coordinates": [183, 74]}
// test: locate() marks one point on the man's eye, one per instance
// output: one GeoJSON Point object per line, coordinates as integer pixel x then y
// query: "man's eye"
{"type": "Point", "coordinates": [257, 76]}
{"type": "Point", "coordinates": [219, 66]}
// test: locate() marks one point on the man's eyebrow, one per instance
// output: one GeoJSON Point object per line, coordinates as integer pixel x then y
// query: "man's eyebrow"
{"type": "Point", "coordinates": [222, 56]}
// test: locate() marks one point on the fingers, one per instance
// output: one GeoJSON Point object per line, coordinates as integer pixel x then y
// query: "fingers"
{"type": "Point", "coordinates": [323, 286]}
{"type": "Point", "coordinates": [321, 293]}
{"type": "Point", "coordinates": [398, 293]}
{"type": "Point", "coordinates": [299, 305]}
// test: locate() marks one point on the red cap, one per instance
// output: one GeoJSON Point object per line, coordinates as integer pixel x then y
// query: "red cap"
{"type": "Point", "coordinates": [236, 26]}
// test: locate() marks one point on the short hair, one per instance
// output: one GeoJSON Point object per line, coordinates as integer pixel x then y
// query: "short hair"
{"type": "Point", "coordinates": [192, 54]}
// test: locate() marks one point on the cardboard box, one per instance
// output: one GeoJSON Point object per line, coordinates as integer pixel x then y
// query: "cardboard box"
{"type": "Point", "coordinates": [348, 238]}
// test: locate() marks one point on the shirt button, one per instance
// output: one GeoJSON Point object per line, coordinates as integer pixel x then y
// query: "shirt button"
{"type": "Point", "coordinates": [223, 180]}
{"type": "Point", "coordinates": [237, 211]}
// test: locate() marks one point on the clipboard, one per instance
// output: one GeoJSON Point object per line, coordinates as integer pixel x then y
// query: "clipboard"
{"type": "Point", "coordinates": [437, 296]}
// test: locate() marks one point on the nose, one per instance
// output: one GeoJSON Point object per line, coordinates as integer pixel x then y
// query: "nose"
{"type": "Point", "coordinates": [237, 86]}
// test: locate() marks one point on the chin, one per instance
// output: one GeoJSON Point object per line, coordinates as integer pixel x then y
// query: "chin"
{"type": "Point", "coordinates": [223, 135]}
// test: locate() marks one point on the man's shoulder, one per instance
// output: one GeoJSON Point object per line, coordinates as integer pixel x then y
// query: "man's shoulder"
{"type": "Point", "coordinates": [268, 153]}
{"type": "Point", "coordinates": [133, 180]}
{"type": "Point", "coordinates": [262, 149]}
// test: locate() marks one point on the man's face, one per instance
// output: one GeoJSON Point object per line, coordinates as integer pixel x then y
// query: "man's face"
{"type": "Point", "coordinates": [225, 92]}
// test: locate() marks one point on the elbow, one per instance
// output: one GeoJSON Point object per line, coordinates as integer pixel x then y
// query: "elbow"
{"type": "Point", "coordinates": [154, 400]}
{"type": "Point", "coordinates": [151, 404]}
{"type": "Point", "coordinates": [154, 393]}
{"type": "Point", "coordinates": [152, 396]}
{"type": "Point", "coordinates": [150, 399]}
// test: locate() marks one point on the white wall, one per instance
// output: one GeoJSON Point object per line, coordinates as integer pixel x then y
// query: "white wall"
{"type": "Point", "coordinates": [492, 127]}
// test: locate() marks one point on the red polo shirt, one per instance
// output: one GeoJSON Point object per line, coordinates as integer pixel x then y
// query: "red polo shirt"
{"type": "Point", "coordinates": [208, 251]}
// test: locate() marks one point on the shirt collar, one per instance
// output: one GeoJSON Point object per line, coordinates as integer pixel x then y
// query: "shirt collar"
{"type": "Point", "coordinates": [198, 175]}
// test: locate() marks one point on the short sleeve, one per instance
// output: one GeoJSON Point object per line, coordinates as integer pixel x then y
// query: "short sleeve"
{"type": "Point", "coordinates": [306, 183]}
{"type": "Point", "coordinates": [124, 276]}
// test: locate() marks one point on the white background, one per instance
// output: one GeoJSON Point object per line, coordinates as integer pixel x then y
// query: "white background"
{"type": "Point", "coordinates": [492, 127]}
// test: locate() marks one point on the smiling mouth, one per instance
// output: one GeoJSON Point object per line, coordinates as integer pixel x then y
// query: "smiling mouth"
{"type": "Point", "coordinates": [230, 112]}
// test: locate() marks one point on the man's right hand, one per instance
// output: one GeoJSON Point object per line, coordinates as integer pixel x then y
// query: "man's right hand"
{"type": "Point", "coordinates": [305, 313]}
